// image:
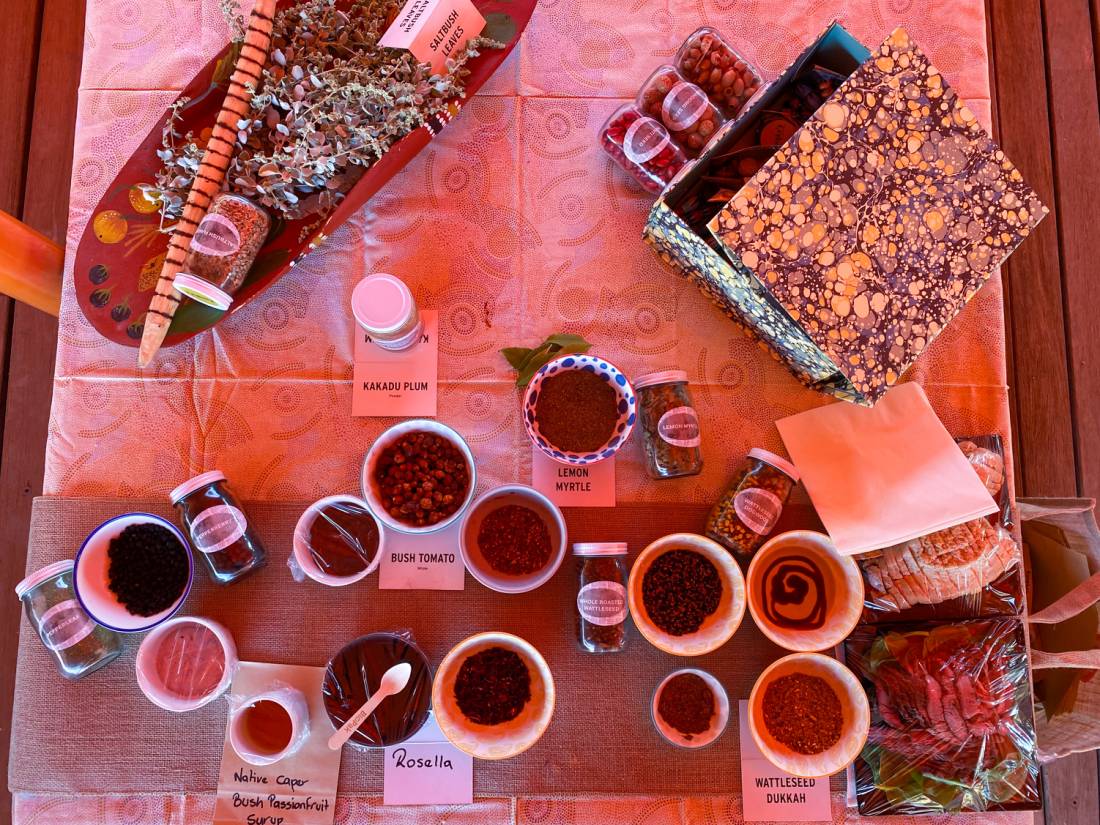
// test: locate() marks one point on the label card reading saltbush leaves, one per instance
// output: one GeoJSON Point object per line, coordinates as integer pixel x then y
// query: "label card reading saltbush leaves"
{"type": "Point", "coordinates": [568, 485]}
{"type": "Point", "coordinates": [404, 383]}
{"type": "Point", "coordinates": [434, 30]}
{"type": "Point", "coordinates": [427, 770]}
{"type": "Point", "coordinates": [771, 795]}
{"type": "Point", "coordinates": [422, 561]}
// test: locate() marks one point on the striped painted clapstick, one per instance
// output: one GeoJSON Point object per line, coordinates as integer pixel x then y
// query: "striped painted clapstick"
{"type": "Point", "coordinates": [210, 175]}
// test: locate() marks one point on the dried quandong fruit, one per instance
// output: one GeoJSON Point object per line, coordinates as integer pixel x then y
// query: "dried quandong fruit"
{"type": "Point", "coordinates": [711, 63]}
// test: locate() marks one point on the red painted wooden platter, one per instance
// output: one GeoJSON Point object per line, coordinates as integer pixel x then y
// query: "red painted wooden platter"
{"type": "Point", "coordinates": [121, 252]}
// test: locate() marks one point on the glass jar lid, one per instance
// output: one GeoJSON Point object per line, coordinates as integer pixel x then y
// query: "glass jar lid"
{"type": "Point", "coordinates": [382, 303]}
{"type": "Point", "coordinates": [600, 548]}
{"type": "Point", "coordinates": [663, 377]}
{"type": "Point", "coordinates": [197, 483]}
{"type": "Point", "coordinates": [201, 290]}
{"type": "Point", "coordinates": [50, 571]}
{"type": "Point", "coordinates": [776, 461]}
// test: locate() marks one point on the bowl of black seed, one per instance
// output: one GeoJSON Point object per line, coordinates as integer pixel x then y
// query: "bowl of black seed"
{"type": "Point", "coordinates": [686, 594]}
{"type": "Point", "coordinates": [133, 572]}
{"type": "Point", "coordinates": [493, 695]}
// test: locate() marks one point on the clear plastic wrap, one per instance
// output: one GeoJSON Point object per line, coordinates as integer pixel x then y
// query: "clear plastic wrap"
{"type": "Point", "coordinates": [268, 726]}
{"type": "Point", "coordinates": [186, 663]}
{"type": "Point", "coordinates": [337, 541]}
{"type": "Point", "coordinates": [356, 671]}
{"type": "Point", "coordinates": [952, 727]}
{"type": "Point", "coordinates": [684, 109]}
{"type": "Point", "coordinates": [986, 455]}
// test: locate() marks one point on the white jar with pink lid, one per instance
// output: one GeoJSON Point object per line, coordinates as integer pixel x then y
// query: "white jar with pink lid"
{"type": "Point", "coordinates": [384, 307]}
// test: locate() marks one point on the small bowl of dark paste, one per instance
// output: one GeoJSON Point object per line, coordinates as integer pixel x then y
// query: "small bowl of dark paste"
{"type": "Point", "coordinates": [513, 539]}
{"type": "Point", "coordinates": [686, 594]}
{"type": "Point", "coordinates": [355, 673]}
{"type": "Point", "coordinates": [579, 409]}
{"type": "Point", "coordinates": [690, 708]}
{"type": "Point", "coordinates": [133, 572]}
{"type": "Point", "coordinates": [338, 541]}
{"type": "Point", "coordinates": [493, 695]}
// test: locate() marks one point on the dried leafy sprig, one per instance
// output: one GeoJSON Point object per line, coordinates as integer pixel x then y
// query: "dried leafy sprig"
{"type": "Point", "coordinates": [332, 102]}
{"type": "Point", "coordinates": [526, 361]}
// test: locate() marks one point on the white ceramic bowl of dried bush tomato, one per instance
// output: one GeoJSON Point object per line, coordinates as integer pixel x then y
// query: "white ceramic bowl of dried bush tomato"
{"type": "Point", "coordinates": [432, 457]}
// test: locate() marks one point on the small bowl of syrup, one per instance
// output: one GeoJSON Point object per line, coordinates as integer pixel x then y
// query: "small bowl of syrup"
{"type": "Point", "coordinates": [270, 726]}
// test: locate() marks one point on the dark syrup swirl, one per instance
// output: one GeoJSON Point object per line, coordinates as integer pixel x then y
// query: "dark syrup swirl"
{"type": "Point", "coordinates": [795, 581]}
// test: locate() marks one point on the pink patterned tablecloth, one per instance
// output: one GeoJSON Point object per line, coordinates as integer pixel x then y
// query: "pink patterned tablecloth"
{"type": "Point", "coordinates": [514, 224]}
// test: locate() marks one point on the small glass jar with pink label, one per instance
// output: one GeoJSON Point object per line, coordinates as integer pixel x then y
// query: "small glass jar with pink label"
{"type": "Point", "coordinates": [670, 426]}
{"type": "Point", "coordinates": [684, 109]}
{"type": "Point", "coordinates": [748, 511]}
{"type": "Point", "coordinates": [77, 644]}
{"type": "Point", "coordinates": [601, 596]}
{"type": "Point", "coordinates": [643, 147]}
{"type": "Point", "coordinates": [218, 528]}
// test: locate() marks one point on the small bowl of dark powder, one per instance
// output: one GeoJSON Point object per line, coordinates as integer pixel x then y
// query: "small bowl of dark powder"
{"type": "Point", "coordinates": [690, 708]}
{"type": "Point", "coordinates": [133, 572]}
{"type": "Point", "coordinates": [513, 539]}
{"type": "Point", "coordinates": [686, 594]}
{"type": "Point", "coordinates": [493, 695]}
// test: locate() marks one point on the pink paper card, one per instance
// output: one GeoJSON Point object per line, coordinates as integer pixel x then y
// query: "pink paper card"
{"type": "Point", "coordinates": [427, 770]}
{"type": "Point", "coordinates": [404, 383]}
{"type": "Point", "coordinates": [434, 30]}
{"type": "Point", "coordinates": [567, 485]}
{"type": "Point", "coordinates": [422, 561]}
{"type": "Point", "coordinates": [771, 795]}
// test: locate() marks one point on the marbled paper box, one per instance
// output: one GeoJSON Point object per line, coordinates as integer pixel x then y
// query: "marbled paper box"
{"type": "Point", "coordinates": [880, 217]}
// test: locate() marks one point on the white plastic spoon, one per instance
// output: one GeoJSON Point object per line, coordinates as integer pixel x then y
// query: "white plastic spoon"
{"type": "Point", "coordinates": [393, 681]}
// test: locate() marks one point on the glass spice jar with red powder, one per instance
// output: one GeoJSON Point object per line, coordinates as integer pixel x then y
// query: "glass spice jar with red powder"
{"type": "Point", "coordinates": [218, 528]}
{"type": "Point", "coordinates": [643, 147]}
{"type": "Point", "coordinates": [601, 597]}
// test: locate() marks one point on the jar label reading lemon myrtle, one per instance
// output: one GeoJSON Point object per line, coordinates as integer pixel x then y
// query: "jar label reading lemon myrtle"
{"type": "Point", "coordinates": [602, 603]}
{"type": "Point", "coordinates": [216, 236]}
{"type": "Point", "coordinates": [64, 625]}
{"type": "Point", "coordinates": [758, 509]}
{"type": "Point", "coordinates": [218, 527]}
{"type": "Point", "coordinates": [680, 427]}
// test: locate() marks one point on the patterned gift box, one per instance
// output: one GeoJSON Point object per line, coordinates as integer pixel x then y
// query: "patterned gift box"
{"type": "Point", "coordinates": [869, 229]}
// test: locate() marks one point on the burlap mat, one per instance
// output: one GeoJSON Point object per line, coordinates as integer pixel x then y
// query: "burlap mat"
{"type": "Point", "coordinates": [101, 734]}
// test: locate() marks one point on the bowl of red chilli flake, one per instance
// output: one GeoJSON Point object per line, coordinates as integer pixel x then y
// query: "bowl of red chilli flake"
{"type": "Point", "coordinates": [809, 715]}
{"type": "Point", "coordinates": [493, 695]}
{"type": "Point", "coordinates": [513, 539]}
{"type": "Point", "coordinates": [579, 409]}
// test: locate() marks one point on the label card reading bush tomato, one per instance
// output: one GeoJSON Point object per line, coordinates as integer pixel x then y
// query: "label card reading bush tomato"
{"type": "Point", "coordinates": [427, 770]}
{"type": "Point", "coordinates": [592, 485]}
{"type": "Point", "coordinates": [434, 30]}
{"type": "Point", "coordinates": [422, 561]}
{"type": "Point", "coordinates": [771, 795]}
{"type": "Point", "coordinates": [404, 383]}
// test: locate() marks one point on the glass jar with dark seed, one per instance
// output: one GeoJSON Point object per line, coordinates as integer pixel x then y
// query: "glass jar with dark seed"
{"type": "Point", "coordinates": [669, 424]}
{"type": "Point", "coordinates": [218, 528]}
{"type": "Point", "coordinates": [601, 597]}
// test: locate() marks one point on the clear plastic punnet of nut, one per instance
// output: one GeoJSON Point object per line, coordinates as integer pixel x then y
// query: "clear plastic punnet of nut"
{"type": "Point", "coordinates": [684, 109]}
{"type": "Point", "coordinates": [710, 62]}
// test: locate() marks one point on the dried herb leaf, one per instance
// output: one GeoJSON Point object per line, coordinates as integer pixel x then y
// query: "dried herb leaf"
{"type": "Point", "coordinates": [526, 362]}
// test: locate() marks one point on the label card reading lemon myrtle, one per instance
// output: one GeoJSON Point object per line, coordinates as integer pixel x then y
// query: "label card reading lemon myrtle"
{"type": "Point", "coordinates": [404, 383]}
{"type": "Point", "coordinates": [568, 485]}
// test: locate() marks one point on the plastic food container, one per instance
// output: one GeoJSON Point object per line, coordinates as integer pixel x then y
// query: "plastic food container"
{"type": "Point", "coordinates": [186, 663]}
{"type": "Point", "coordinates": [643, 147]}
{"type": "Point", "coordinates": [336, 510]}
{"type": "Point", "coordinates": [269, 726]}
{"type": "Point", "coordinates": [77, 644]}
{"type": "Point", "coordinates": [384, 308]}
{"type": "Point", "coordinates": [683, 108]}
{"type": "Point", "coordinates": [709, 61]}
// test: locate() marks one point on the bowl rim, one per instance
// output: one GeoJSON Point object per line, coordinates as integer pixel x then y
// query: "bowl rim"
{"type": "Point", "coordinates": [852, 688]}
{"type": "Point", "coordinates": [532, 581]}
{"type": "Point", "coordinates": [721, 698]}
{"type": "Point", "coordinates": [392, 433]}
{"type": "Point", "coordinates": [534, 658]}
{"type": "Point", "coordinates": [728, 569]}
{"type": "Point", "coordinates": [849, 569]}
{"type": "Point", "coordinates": [309, 567]}
{"type": "Point", "coordinates": [574, 459]}
{"type": "Point", "coordinates": [149, 518]}
{"type": "Point", "coordinates": [155, 693]}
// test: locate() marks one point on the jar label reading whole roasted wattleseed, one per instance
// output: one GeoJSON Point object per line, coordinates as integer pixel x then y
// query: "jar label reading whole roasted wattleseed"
{"type": "Point", "coordinates": [602, 603]}
{"type": "Point", "coordinates": [216, 236]}
{"type": "Point", "coordinates": [644, 140]}
{"type": "Point", "coordinates": [758, 509]}
{"type": "Point", "coordinates": [683, 106]}
{"type": "Point", "coordinates": [680, 427]}
{"type": "Point", "coordinates": [64, 625]}
{"type": "Point", "coordinates": [218, 527]}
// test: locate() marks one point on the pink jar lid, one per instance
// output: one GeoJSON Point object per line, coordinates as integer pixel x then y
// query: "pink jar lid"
{"type": "Point", "coordinates": [652, 379]}
{"type": "Point", "coordinates": [43, 575]}
{"type": "Point", "coordinates": [600, 548]}
{"type": "Point", "coordinates": [197, 483]}
{"type": "Point", "coordinates": [776, 461]}
{"type": "Point", "coordinates": [381, 303]}
{"type": "Point", "coordinates": [201, 290]}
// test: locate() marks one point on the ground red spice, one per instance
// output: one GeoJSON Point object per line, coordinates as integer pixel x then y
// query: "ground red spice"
{"type": "Point", "coordinates": [492, 686]}
{"type": "Point", "coordinates": [514, 540]}
{"type": "Point", "coordinates": [803, 713]}
{"type": "Point", "coordinates": [687, 704]}
{"type": "Point", "coordinates": [576, 411]}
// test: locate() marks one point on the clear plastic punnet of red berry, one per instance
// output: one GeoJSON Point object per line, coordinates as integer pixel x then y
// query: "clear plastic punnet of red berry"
{"type": "Point", "coordinates": [642, 146]}
{"type": "Point", "coordinates": [711, 63]}
{"type": "Point", "coordinates": [685, 110]}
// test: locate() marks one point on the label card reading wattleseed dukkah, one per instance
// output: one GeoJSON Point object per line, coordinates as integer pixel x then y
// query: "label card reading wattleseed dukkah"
{"type": "Point", "coordinates": [568, 485]}
{"type": "Point", "coordinates": [404, 383]}
{"type": "Point", "coordinates": [772, 795]}
{"type": "Point", "coordinates": [434, 30]}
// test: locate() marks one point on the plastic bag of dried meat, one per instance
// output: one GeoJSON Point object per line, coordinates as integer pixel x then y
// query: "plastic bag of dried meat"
{"type": "Point", "coordinates": [951, 718]}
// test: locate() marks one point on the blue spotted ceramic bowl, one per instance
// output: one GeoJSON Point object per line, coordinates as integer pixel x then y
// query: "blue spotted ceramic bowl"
{"type": "Point", "coordinates": [628, 407]}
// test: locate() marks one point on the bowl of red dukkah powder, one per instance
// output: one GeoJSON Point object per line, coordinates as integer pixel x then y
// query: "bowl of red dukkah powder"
{"type": "Point", "coordinates": [809, 715]}
{"type": "Point", "coordinates": [690, 708]}
{"type": "Point", "coordinates": [493, 695]}
{"type": "Point", "coordinates": [513, 539]}
{"type": "Point", "coordinates": [579, 409]}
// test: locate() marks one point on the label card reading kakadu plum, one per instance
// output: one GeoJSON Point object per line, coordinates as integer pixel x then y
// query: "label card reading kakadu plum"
{"type": "Point", "coordinates": [434, 30]}
{"type": "Point", "coordinates": [566, 485]}
{"type": "Point", "coordinates": [427, 770]}
{"type": "Point", "coordinates": [422, 561]}
{"type": "Point", "coordinates": [771, 795]}
{"type": "Point", "coordinates": [404, 383]}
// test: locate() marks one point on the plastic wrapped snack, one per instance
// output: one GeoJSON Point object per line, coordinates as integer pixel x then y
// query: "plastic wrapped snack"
{"type": "Point", "coordinates": [986, 455]}
{"type": "Point", "coordinates": [952, 728]}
